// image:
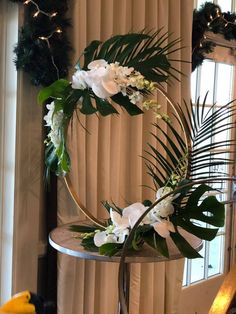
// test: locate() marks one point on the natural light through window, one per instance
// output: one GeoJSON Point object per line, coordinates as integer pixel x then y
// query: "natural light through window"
{"type": "Point", "coordinates": [225, 5]}
{"type": "Point", "coordinates": [208, 79]}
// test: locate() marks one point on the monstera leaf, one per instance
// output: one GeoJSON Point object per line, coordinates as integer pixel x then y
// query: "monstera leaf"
{"type": "Point", "coordinates": [193, 154]}
{"type": "Point", "coordinates": [200, 210]}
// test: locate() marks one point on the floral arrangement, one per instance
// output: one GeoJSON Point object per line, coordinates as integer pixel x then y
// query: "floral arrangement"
{"type": "Point", "coordinates": [124, 71]}
{"type": "Point", "coordinates": [104, 80]}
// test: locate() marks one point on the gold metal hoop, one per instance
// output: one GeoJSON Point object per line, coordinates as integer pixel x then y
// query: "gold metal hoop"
{"type": "Point", "coordinates": [79, 203]}
{"type": "Point", "coordinates": [74, 194]}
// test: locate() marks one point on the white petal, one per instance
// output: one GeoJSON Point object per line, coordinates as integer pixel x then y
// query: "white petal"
{"type": "Point", "coordinates": [165, 209]}
{"type": "Point", "coordinates": [79, 80]}
{"type": "Point", "coordinates": [111, 87]}
{"type": "Point", "coordinates": [100, 91]}
{"type": "Point", "coordinates": [118, 220]}
{"type": "Point", "coordinates": [162, 229]}
{"type": "Point", "coordinates": [121, 234]}
{"type": "Point", "coordinates": [100, 238]}
{"type": "Point", "coordinates": [170, 226]}
{"type": "Point", "coordinates": [129, 210]}
{"type": "Point", "coordinates": [134, 212]}
{"type": "Point", "coordinates": [97, 63]}
{"type": "Point", "coordinates": [163, 191]}
{"type": "Point", "coordinates": [111, 238]}
{"type": "Point", "coordinates": [115, 217]}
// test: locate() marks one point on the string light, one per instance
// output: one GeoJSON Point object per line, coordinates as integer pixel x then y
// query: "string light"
{"type": "Point", "coordinates": [58, 30]}
{"type": "Point", "coordinates": [39, 11]}
{"type": "Point", "coordinates": [221, 16]}
{"type": "Point", "coordinates": [218, 15]}
{"type": "Point", "coordinates": [46, 39]}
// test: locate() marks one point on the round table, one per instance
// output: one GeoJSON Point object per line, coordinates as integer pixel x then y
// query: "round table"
{"type": "Point", "coordinates": [67, 242]}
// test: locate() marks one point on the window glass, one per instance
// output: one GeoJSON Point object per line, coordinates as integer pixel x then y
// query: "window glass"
{"type": "Point", "coordinates": [223, 83]}
{"type": "Point", "coordinates": [225, 5]}
{"type": "Point", "coordinates": [207, 75]}
{"type": "Point", "coordinates": [216, 79]}
{"type": "Point", "coordinates": [216, 248]}
{"type": "Point", "coordinates": [197, 267]}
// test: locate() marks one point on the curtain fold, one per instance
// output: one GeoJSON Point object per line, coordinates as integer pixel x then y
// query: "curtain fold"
{"type": "Point", "coordinates": [106, 163]}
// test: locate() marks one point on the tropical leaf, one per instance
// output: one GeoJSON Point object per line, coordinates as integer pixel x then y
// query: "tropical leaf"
{"type": "Point", "coordinates": [184, 247]}
{"type": "Point", "coordinates": [195, 215]}
{"type": "Point", "coordinates": [85, 228]}
{"type": "Point", "coordinates": [104, 107]}
{"type": "Point", "coordinates": [204, 152]}
{"type": "Point", "coordinates": [55, 90]}
{"type": "Point", "coordinates": [157, 242]}
{"type": "Point", "coordinates": [110, 249]}
{"type": "Point", "coordinates": [145, 52]}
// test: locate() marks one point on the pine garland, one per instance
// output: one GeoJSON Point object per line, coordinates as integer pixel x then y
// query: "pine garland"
{"type": "Point", "coordinates": [210, 18]}
{"type": "Point", "coordinates": [43, 48]}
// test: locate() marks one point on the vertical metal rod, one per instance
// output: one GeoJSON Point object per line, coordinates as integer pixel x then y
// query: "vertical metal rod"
{"type": "Point", "coordinates": [126, 287]}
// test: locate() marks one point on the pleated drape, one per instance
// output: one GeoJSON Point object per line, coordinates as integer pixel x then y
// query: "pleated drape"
{"type": "Point", "coordinates": [107, 165]}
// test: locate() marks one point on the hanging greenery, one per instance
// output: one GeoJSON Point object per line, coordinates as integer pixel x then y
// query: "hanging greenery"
{"type": "Point", "coordinates": [209, 18]}
{"type": "Point", "coordinates": [43, 47]}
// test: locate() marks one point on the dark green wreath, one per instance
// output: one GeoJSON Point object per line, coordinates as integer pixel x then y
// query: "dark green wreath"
{"type": "Point", "coordinates": [210, 18]}
{"type": "Point", "coordinates": [44, 64]}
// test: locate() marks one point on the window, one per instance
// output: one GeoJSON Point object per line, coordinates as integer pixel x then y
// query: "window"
{"type": "Point", "coordinates": [217, 79]}
{"type": "Point", "coordinates": [225, 5]}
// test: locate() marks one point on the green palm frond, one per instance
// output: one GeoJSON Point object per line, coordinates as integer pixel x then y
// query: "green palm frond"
{"type": "Point", "coordinates": [145, 52]}
{"type": "Point", "coordinates": [204, 126]}
{"type": "Point", "coordinates": [200, 157]}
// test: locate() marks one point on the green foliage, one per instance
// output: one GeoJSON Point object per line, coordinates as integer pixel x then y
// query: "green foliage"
{"type": "Point", "coordinates": [146, 53]}
{"type": "Point", "coordinates": [157, 242]}
{"type": "Point", "coordinates": [198, 210]}
{"type": "Point", "coordinates": [184, 247]}
{"type": "Point", "coordinates": [209, 18]}
{"type": "Point", "coordinates": [196, 161]}
{"type": "Point", "coordinates": [110, 249]}
{"type": "Point", "coordinates": [195, 210]}
{"type": "Point", "coordinates": [56, 90]}
{"type": "Point", "coordinates": [85, 228]}
{"type": "Point", "coordinates": [33, 55]}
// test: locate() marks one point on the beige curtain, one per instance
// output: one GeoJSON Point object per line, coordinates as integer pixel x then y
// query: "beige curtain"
{"type": "Point", "coordinates": [107, 163]}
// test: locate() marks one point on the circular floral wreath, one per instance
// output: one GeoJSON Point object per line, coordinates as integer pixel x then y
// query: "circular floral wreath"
{"type": "Point", "coordinates": [125, 70]}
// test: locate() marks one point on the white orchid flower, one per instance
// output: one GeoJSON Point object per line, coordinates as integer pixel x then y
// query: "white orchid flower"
{"type": "Point", "coordinates": [79, 80]}
{"type": "Point", "coordinates": [101, 237]}
{"type": "Point", "coordinates": [54, 120]}
{"type": "Point", "coordinates": [121, 224]}
{"type": "Point", "coordinates": [102, 83]}
{"type": "Point", "coordinates": [115, 233]}
{"type": "Point", "coordinates": [107, 79]}
{"type": "Point", "coordinates": [164, 208]}
{"type": "Point", "coordinates": [118, 220]}
{"type": "Point", "coordinates": [100, 78]}
{"type": "Point", "coordinates": [134, 212]}
{"type": "Point", "coordinates": [97, 64]}
{"type": "Point", "coordinates": [163, 228]}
